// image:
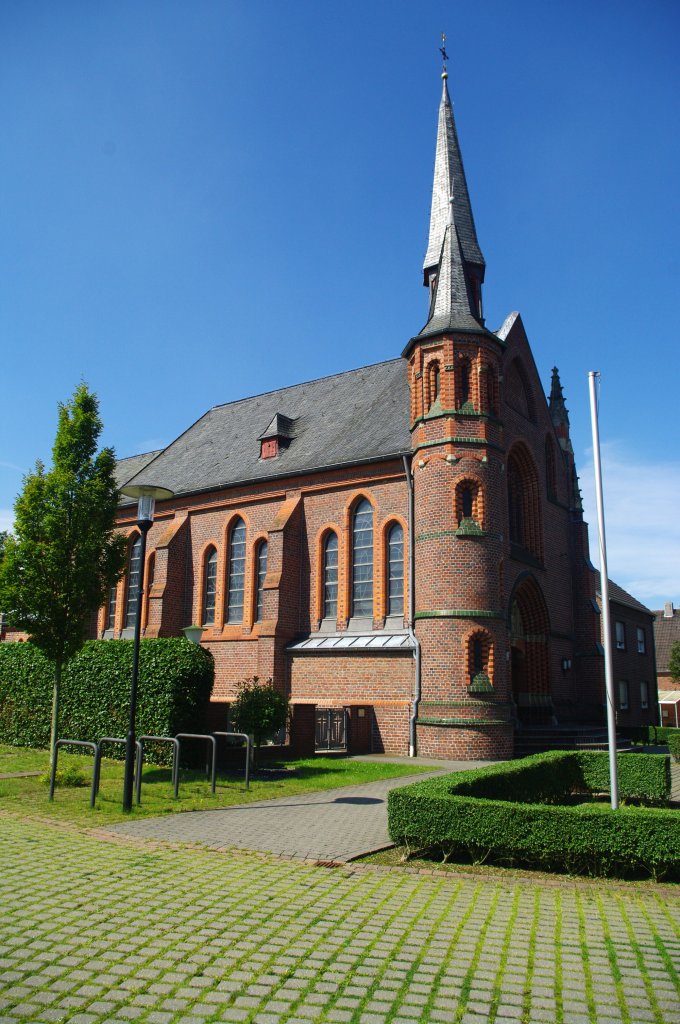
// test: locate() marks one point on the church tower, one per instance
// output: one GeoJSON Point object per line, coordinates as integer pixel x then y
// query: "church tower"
{"type": "Point", "coordinates": [454, 370]}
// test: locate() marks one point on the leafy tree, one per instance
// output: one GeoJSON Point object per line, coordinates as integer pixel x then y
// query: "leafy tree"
{"type": "Point", "coordinates": [64, 555]}
{"type": "Point", "coordinates": [674, 662]}
{"type": "Point", "coordinates": [259, 709]}
{"type": "Point", "coordinates": [4, 537]}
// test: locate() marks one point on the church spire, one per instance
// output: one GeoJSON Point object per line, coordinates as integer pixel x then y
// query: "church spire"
{"type": "Point", "coordinates": [454, 265]}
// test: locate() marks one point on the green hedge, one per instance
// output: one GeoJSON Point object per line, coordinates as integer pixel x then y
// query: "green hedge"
{"type": "Point", "coordinates": [674, 745]}
{"type": "Point", "coordinates": [443, 814]}
{"type": "Point", "coordinates": [660, 734]}
{"type": "Point", "coordinates": [174, 685]}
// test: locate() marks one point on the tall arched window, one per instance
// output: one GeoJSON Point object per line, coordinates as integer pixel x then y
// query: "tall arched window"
{"type": "Point", "coordinates": [362, 559]}
{"type": "Point", "coordinates": [330, 577]}
{"type": "Point", "coordinates": [524, 506]}
{"type": "Point", "coordinates": [516, 503]}
{"type": "Point", "coordinates": [134, 569]}
{"type": "Point", "coordinates": [237, 571]}
{"type": "Point", "coordinates": [261, 573]}
{"type": "Point", "coordinates": [209, 587]}
{"type": "Point", "coordinates": [395, 570]}
{"type": "Point", "coordinates": [111, 608]}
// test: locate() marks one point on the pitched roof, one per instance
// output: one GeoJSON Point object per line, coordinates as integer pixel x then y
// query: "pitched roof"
{"type": "Point", "coordinates": [666, 633]}
{"type": "Point", "coordinates": [348, 418]}
{"type": "Point", "coordinates": [127, 468]}
{"type": "Point", "coordinates": [621, 596]}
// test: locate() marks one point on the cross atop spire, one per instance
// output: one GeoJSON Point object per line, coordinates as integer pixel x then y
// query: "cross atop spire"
{"type": "Point", "coordinates": [445, 56]}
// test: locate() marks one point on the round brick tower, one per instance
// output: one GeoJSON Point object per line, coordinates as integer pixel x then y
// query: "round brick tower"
{"type": "Point", "coordinates": [459, 486]}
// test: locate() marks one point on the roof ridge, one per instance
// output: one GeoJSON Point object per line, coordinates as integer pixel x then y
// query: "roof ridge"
{"type": "Point", "coordinates": [303, 383]}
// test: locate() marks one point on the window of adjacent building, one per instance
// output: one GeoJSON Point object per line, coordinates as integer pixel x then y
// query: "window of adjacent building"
{"type": "Point", "coordinates": [620, 636]}
{"type": "Point", "coordinates": [395, 570]}
{"type": "Point", "coordinates": [134, 570]}
{"type": "Point", "coordinates": [623, 696]}
{"type": "Point", "coordinates": [641, 644]}
{"type": "Point", "coordinates": [644, 695]}
{"type": "Point", "coordinates": [210, 587]}
{"type": "Point", "coordinates": [330, 577]}
{"type": "Point", "coordinates": [111, 608]}
{"type": "Point", "coordinates": [261, 573]}
{"type": "Point", "coordinates": [362, 560]}
{"type": "Point", "coordinates": [237, 572]}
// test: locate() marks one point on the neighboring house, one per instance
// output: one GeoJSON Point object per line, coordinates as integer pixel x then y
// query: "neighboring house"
{"type": "Point", "coordinates": [400, 546]}
{"type": "Point", "coordinates": [667, 633]}
{"type": "Point", "coordinates": [633, 657]}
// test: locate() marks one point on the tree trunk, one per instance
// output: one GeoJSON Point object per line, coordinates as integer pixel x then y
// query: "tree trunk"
{"type": "Point", "coordinates": [55, 714]}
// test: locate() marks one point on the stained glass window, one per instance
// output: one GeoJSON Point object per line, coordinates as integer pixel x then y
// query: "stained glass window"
{"type": "Point", "coordinates": [237, 571]}
{"type": "Point", "coordinates": [395, 570]}
{"type": "Point", "coordinates": [362, 560]}
{"type": "Point", "coordinates": [330, 577]}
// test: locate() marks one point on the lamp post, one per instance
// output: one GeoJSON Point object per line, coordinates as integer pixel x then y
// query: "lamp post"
{"type": "Point", "coordinates": [146, 495]}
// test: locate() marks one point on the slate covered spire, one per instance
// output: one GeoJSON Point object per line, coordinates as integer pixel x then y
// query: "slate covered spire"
{"type": "Point", "coordinates": [454, 266]}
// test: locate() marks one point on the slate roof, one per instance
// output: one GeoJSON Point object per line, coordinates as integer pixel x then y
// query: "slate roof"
{"type": "Point", "coordinates": [666, 633]}
{"type": "Point", "coordinates": [452, 304]}
{"type": "Point", "coordinates": [621, 596]}
{"type": "Point", "coordinates": [449, 179]}
{"type": "Point", "coordinates": [348, 418]}
{"type": "Point", "coordinates": [127, 468]}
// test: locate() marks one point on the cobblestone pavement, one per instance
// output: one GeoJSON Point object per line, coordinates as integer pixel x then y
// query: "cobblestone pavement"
{"type": "Point", "coordinates": [96, 931]}
{"type": "Point", "coordinates": [333, 824]}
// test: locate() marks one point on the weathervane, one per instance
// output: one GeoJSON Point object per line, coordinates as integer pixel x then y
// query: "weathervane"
{"type": "Point", "coordinates": [445, 56]}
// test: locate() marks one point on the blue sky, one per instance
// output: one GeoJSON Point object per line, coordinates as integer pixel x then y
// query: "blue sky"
{"type": "Point", "coordinates": [205, 200]}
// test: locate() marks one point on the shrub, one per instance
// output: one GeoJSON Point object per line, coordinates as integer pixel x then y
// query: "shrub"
{"type": "Point", "coordinates": [71, 776]}
{"type": "Point", "coordinates": [674, 745]}
{"type": "Point", "coordinates": [259, 709]}
{"type": "Point", "coordinates": [175, 680]}
{"type": "Point", "coordinates": [444, 814]}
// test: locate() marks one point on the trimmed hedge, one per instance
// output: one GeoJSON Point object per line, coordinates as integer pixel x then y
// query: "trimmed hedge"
{"type": "Point", "coordinates": [674, 745]}
{"type": "Point", "coordinates": [174, 686]}
{"type": "Point", "coordinates": [660, 734]}
{"type": "Point", "coordinates": [479, 814]}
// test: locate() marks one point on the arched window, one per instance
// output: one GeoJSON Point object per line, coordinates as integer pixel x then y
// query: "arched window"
{"type": "Point", "coordinates": [524, 507]}
{"type": "Point", "coordinates": [480, 661]}
{"type": "Point", "coordinates": [209, 587]}
{"type": "Point", "coordinates": [469, 504]}
{"type": "Point", "coordinates": [488, 390]}
{"type": "Point", "coordinates": [362, 559]}
{"type": "Point", "coordinates": [466, 502]}
{"type": "Point", "coordinates": [463, 388]}
{"type": "Point", "coordinates": [134, 570]}
{"type": "Point", "coordinates": [434, 383]}
{"type": "Point", "coordinates": [395, 570]}
{"type": "Point", "coordinates": [330, 577]}
{"type": "Point", "coordinates": [261, 573]}
{"type": "Point", "coordinates": [237, 571]}
{"type": "Point", "coordinates": [111, 608]}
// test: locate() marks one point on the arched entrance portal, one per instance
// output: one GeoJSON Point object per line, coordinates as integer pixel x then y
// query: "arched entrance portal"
{"type": "Point", "coordinates": [529, 655]}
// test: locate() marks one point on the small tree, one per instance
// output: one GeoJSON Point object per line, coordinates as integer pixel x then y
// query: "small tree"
{"type": "Point", "coordinates": [259, 709]}
{"type": "Point", "coordinates": [64, 555]}
{"type": "Point", "coordinates": [674, 662]}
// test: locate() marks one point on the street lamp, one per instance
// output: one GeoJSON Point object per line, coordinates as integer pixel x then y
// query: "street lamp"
{"type": "Point", "coordinates": [146, 495]}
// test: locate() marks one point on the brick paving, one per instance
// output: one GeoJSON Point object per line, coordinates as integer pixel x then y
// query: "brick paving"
{"type": "Point", "coordinates": [112, 932]}
{"type": "Point", "coordinates": [330, 825]}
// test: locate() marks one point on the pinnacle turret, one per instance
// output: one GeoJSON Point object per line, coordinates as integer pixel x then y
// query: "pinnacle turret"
{"type": "Point", "coordinates": [558, 412]}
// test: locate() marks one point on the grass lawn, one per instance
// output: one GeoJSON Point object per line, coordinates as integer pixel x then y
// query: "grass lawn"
{"type": "Point", "coordinates": [73, 803]}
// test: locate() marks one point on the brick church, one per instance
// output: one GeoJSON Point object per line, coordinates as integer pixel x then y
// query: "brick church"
{"type": "Point", "coordinates": [401, 545]}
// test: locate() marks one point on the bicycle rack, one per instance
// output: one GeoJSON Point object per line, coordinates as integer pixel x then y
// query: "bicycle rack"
{"type": "Point", "coordinates": [211, 739]}
{"type": "Point", "coordinates": [98, 756]}
{"type": "Point", "coordinates": [74, 743]}
{"type": "Point", "coordinates": [246, 737]}
{"type": "Point", "coordinates": [140, 758]}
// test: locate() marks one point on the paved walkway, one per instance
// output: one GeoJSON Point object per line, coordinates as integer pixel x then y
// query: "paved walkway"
{"type": "Point", "coordinates": [332, 825]}
{"type": "Point", "coordinates": [95, 932]}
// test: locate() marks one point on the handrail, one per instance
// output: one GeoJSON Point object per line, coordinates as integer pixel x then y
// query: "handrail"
{"type": "Point", "coordinates": [247, 738]}
{"type": "Point", "coordinates": [98, 756]}
{"type": "Point", "coordinates": [210, 739]}
{"type": "Point", "coordinates": [140, 758]}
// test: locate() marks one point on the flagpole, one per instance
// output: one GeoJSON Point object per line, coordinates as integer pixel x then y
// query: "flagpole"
{"type": "Point", "coordinates": [604, 584]}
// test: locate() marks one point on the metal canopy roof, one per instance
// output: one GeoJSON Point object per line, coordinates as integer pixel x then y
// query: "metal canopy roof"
{"type": "Point", "coordinates": [339, 643]}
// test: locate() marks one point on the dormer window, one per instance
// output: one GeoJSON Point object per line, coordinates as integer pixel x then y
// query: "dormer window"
{"type": "Point", "coordinates": [276, 438]}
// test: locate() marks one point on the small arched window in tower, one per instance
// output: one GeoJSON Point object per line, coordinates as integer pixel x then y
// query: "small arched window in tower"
{"type": "Point", "coordinates": [395, 570]}
{"type": "Point", "coordinates": [134, 571]}
{"type": "Point", "coordinates": [209, 587]}
{"type": "Point", "coordinates": [469, 507]}
{"type": "Point", "coordinates": [237, 571]}
{"type": "Point", "coordinates": [488, 390]}
{"type": "Point", "coordinates": [330, 577]}
{"type": "Point", "coordinates": [362, 560]}
{"type": "Point", "coordinates": [261, 563]}
{"type": "Point", "coordinates": [480, 662]}
{"type": "Point", "coordinates": [550, 469]}
{"type": "Point", "coordinates": [434, 384]}
{"type": "Point", "coordinates": [463, 384]}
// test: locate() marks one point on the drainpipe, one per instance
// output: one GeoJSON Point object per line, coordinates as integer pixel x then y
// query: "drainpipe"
{"type": "Point", "coordinates": [412, 751]}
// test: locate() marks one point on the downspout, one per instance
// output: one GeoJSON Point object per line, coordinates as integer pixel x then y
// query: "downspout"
{"type": "Point", "coordinates": [412, 751]}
